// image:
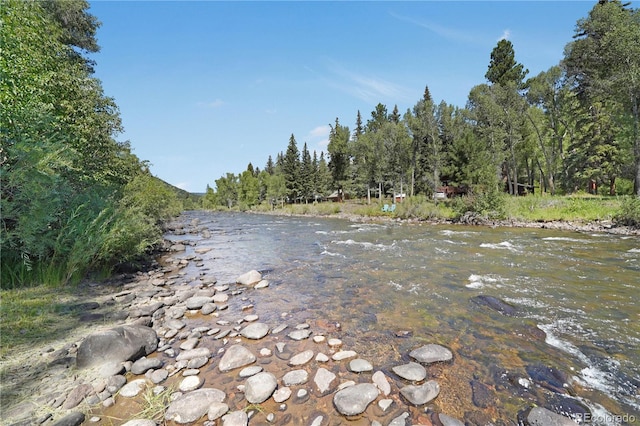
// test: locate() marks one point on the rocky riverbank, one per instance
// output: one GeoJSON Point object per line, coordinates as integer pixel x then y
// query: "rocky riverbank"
{"type": "Point", "coordinates": [171, 346]}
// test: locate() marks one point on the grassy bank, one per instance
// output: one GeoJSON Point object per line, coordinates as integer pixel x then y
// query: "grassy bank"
{"type": "Point", "coordinates": [585, 208]}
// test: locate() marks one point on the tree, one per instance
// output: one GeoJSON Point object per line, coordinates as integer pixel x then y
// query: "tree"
{"type": "Point", "coordinates": [291, 169]}
{"type": "Point", "coordinates": [339, 154]}
{"type": "Point", "coordinates": [248, 188]}
{"type": "Point", "coordinates": [552, 118]}
{"type": "Point", "coordinates": [307, 173]}
{"type": "Point", "coordinates": [604, 63]}
{"type": "Point", "coordinates": [503, 68]}
{"type": "Point", "coordinates": [594, 155]}
{"type": "Point", "coordinates": [227, 190]}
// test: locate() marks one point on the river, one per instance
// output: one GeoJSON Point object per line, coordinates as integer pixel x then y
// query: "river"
{"type": "Point", "coordinates": [533, 316]}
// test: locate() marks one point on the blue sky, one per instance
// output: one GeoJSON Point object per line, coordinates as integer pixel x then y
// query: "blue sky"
{"type": "Point", "coordinates": [205, 87]}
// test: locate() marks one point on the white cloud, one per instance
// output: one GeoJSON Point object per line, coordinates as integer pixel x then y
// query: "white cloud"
{"type": "Point", "coordinates": [369, 88]}
{"type": "Point", "coordinates": [445, 32]}
{"type": "Point", "coordinates": [212, 104]}
{"type": "Point", "coordinates": [182, 185]}
{"type": "Point", "coordinates": [319, 132]}
{"type": "Point", "coordinates": [505, 35]}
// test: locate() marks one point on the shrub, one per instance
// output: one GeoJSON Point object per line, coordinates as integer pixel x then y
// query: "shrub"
{"type": "Point", "coordinates": [629, 213]}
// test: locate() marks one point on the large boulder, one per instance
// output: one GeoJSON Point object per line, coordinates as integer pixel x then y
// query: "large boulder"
{"type": "Point", "coordinates": [123, 343]}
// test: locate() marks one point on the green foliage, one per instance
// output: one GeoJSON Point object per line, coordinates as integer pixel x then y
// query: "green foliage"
{"type": "Point", "coordinates": [504, 69]}
{"type": "Point", "coordinates": [488, 203]}
{"type": "Point", "coordinates": [629, 213]}
{"type": "Point", "coordinates": [73, 199]}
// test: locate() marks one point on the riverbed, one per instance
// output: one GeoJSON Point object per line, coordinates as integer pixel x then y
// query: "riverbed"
{"type": "Point", "coordinates": [569, 337]}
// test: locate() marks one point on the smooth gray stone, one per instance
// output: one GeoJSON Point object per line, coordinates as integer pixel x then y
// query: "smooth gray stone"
{"type": "Point", "coordinates": [255, 331]}
{"type": "Point", "coordinates": [380, 380]}
{"type": "Point", "coordinates": [299, 334]}
{"type": "Point", "coordinates": [449, 421]}
{"type": "Point", "coordinates": [411, 371]}
{"type": "Point", "coordinates": [143, 365]}
{"type": "Point", "coordinates": [249, 278]}
{"type": "Point", "coordinates": [419, 395]}
{"type": "Point", "coordinates": [431, 353]}
{"type": "Point", "coordinates": [260, 387]}
{"type": "Point", "coordinates": [235, 418]}
{"type": "Point", "coordinates": [191, 406]}
{"type": "Point", "coordinates": [72, 419]}
{"type": "Point", "coordinates": [355, 399]}
{"type": "Point", "coordinates": [217, 410]}
{"type": "Point", "coordinates": [295, 377]}
{"type": "Point", "coordinates": [301, 358]}
{"type": "Point", "coordinates": [119, 344]}
{"type": "Point", "coordinates": [324, 380]}
{"type": "Point", "coordinates": [234, 357]}
{"type": "Point", "coordinates": [360, 365]}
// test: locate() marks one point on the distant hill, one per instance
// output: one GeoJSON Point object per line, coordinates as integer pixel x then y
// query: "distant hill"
{"type": "Point", "coordinates": [190, 200]}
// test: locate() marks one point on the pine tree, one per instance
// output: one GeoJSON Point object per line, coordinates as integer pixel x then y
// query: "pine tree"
{"type": "Point", "coordinates": [291, 169]}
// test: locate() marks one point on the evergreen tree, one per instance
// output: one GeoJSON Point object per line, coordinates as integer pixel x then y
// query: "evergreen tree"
{"type": "Point", "coordinates": [339, 153]}
{"type": "Point", "coordinates": [604, 63]}
{"type": "Point", "coordinates": [306, 174]}
{"type": "Point", "coordinates": [291, 170]}
{"type": "Point", "coordinates": [503, 68]}
{"type": "Point", "coordinates": [270, 167]}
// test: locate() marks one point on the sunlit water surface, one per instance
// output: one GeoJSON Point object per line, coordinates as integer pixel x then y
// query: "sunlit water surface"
{"type": "Point", "coordinates": [384, 280]}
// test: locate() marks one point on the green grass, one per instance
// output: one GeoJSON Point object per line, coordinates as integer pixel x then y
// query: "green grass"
{"type": "Point", "coordinates": [33, 315]}
{"type": "Point", "coordinates": [581, 208]}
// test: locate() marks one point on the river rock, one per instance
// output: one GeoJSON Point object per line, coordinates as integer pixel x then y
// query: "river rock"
{"type": "Point", "coordinates": [431, 353]}
{"type": "Point", "coordinates": [324, 380]}
{"type": "Point", "coordinates": [249, 278]}
{"type": "Point", "coordinates": [255, 331]}
{"type": "Point", "coordinates": [322, 357]}
{"type": "Point", "coordinates": [140, 422]}
{"type": "Point", "coordinates": [77, 395]}
{"type": "Point", "coordinates": [355, 399]}
{"type": "Point", "coordinates": [384, 404]}
{"type": "Point", "coordinates": [340, 355]}
{"type": "Point", "coordinates": [159, 376]}
{"type": "Point", "coordinates": [190, 406]}
{"type": "Point", "coordinates": [144, 364]}
{"type": "Point", "coordinates": [72, 419]}
{"type": "Point", "coordinates": [123, 343]}
{"type": "Point", "coordinates": [400, 420]}
{"type": "Point", "coordinates": [194, 353]}
{"type": "Point", "coordinates": [496, 304]}
{"type": "Point", "coordinates": [197, 302]}
{"type": "Point", "coordinates": [114, 383]}
{"type": "Point", "coordinates": [282, 394]}
{"type": "Point", "coordinates": [234, 357]}
{"type": "Point", "coordinates": [235, 418]}
{"type": "Point", "coordinates": [250, 371]}
{"type": "Point", "coordinates": [189, 344]}
{"type": "Point", "coordinates": [262, 284]}
{"type": "Point", "coordinates": [360, 365]}
{"type": "Point", "coordinates": [295, 377]}
{"type": "Point", "coordinates": [175, 324]}
{"type": "Point", "coordinates": [217, 410]}
{"type": "Point", "coordinates": [411, 371]}
{"type": "Point", "coordinates": [260, 387]}
{"type": "Point", "coordinates": [133, 388]}
{"type": "Point", "coordinates": [190, 383]}
{"type": "Point", "coordinates": [419, 395]}
{"type": "Point", "coordinates": [208, 308]}
{"type": "Point", "coordinates": [449, 421]}
{"type": "Point", "coordinates": [539, 416]}
{"type": "Point", "coordinates": [197, 362]}
{"type": "Point", "coordinates": [299, 334]}
{"type": "Point", "coordinates": [301, 359]}
{"type": "Point", "coordinates": [380, 380]}
{"type": "Point", "coordinates": [220, 298]}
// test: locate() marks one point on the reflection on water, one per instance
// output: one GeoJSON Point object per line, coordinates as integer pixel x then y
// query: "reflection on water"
{"type": "Point", "coordinates": [573, 296]}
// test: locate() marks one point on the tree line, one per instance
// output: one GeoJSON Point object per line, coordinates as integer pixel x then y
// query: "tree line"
{"type": "Point", "coordinates": [574, 127]}
{"type": "Point", "coordinates": [73, 198]}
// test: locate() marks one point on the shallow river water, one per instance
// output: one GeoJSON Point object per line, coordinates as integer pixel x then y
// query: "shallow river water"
{"type": "Point", "coordinates": [563, 330]}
